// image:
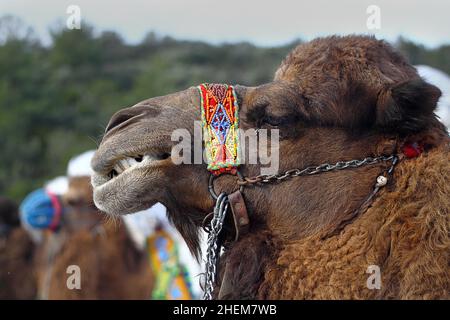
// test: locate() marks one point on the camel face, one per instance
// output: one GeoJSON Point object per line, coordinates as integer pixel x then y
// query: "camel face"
{"type": "Point", "coordinates": [332, 99]}
{"type": "Point", "coordinates": [79, 192]}
{"type": "Point", "coordinates": [78, 201]}
{"type": "Point", "coordinates": [133, 165]}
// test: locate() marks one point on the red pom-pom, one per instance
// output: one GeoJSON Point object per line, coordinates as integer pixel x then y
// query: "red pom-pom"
{"type": "Point", "coordinates": [412, 150]}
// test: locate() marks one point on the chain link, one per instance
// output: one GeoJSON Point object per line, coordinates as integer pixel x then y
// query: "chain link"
{"type": "Point", "coordinates": [325, 167]}
{"type": "Point", "coordinates": [213, 251]}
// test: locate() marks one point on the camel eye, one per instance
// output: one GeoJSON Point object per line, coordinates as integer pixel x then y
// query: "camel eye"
{"type": "Point", "coordinates": [271, 121]}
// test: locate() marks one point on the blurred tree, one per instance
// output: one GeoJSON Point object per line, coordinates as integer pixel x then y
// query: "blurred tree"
{"type": "Point", "coordinates": [418, 54]}
{"type": "Point", "coordinates": [13, 28]}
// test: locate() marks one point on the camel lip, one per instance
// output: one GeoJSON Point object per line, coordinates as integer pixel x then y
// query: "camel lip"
{"type": "Point", "coordinates": [125, 165]}
{"type": "Point", "coordinates": [112, 195]}
{"type": "Point", "coordinates": [107, 159]}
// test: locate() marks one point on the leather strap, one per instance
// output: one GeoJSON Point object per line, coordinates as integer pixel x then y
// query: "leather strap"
{"type": "Point", "coordinates": [240, 214]}
{"type": "Point", "coordinates": [225, 286]}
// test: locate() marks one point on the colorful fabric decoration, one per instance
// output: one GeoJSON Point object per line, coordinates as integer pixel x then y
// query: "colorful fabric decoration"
{"type": "Point", "coordinates": [220, 123]}
{"type": "Point", "coordinates": [172, 278]}
{"type": "Point", "coordinates": [41, 209]}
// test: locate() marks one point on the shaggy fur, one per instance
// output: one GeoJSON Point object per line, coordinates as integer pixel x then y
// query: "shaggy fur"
{"type": "Point", "coordinates": [405, 233]}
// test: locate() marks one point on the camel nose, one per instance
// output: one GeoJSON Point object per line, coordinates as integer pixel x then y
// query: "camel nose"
{"type": "Point", "coordinates": [124, 117]}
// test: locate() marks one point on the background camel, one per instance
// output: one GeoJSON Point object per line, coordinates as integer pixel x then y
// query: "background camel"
{"type": "Point", "coordinates": [111, 266]}
{"type": "Point", "coordinates": [17, 279]}
{"type": "Point", "coordinates": [333, 99]}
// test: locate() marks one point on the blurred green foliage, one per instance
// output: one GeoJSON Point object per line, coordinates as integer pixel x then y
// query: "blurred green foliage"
{"type": "Point", "coordinates": [56, 100]}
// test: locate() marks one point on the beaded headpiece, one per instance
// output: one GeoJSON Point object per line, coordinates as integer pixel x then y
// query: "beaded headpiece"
{"type": "Point", "coordinates": [220, 124]}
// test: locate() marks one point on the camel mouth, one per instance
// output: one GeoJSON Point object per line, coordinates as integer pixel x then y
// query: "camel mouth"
{"type": "Point", "coordinates": [127, 164]}
{"type": "Point", "coordinates": [119, 188]}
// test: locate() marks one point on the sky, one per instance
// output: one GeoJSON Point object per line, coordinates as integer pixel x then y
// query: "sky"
{"type": "Point", "coordinates": [266, 23]}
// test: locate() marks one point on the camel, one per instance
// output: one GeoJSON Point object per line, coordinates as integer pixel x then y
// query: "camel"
{"type": "Point", "coordinates": [17, 279]}
{"type": "Point", "coordinates": [111, 267]}
{"type": "Point", "coordinates": [321, 236]}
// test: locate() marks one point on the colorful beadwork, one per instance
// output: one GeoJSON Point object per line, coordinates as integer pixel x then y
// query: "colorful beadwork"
{"type": "Point", "coordinates": [220, 123]}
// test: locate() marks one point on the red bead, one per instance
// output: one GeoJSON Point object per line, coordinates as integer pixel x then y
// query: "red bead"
{"type": "Point", "coordinates": [230, 170]}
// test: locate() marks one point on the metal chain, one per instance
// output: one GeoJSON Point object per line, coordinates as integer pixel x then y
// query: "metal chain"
{"type": "Point", "coordinates": [313, 170]}
{"type": "Point", "coordinates": [212, 253]}
{"type": "Point", "coordinates": [380, 182]}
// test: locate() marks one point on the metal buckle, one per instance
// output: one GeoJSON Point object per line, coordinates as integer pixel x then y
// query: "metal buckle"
{"type": "Point", "coordinates": [211, 184]}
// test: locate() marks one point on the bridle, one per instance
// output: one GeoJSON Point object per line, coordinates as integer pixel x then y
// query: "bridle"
{"type": "Point", "coordinates": [235, 200]}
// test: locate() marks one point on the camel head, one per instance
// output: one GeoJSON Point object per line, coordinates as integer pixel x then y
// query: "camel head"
{"type": "Point", "coordinates": [78, 202]}
{"type": "Point", "coordinates": [81, 212]}
{"type": "Point", "coordinates": [332, 99]}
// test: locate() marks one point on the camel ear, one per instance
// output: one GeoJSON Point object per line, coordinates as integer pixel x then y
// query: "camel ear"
{"type": "Point", "coordinates": [406, 107]}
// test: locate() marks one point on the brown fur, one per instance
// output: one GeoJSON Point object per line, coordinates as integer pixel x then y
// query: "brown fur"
{"type": "Point", "coordinates": [110, 266]}
{"type": "Point", "coordinates": [405, 232]}
{"type": "Point", "coordinates": [333, 99]}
